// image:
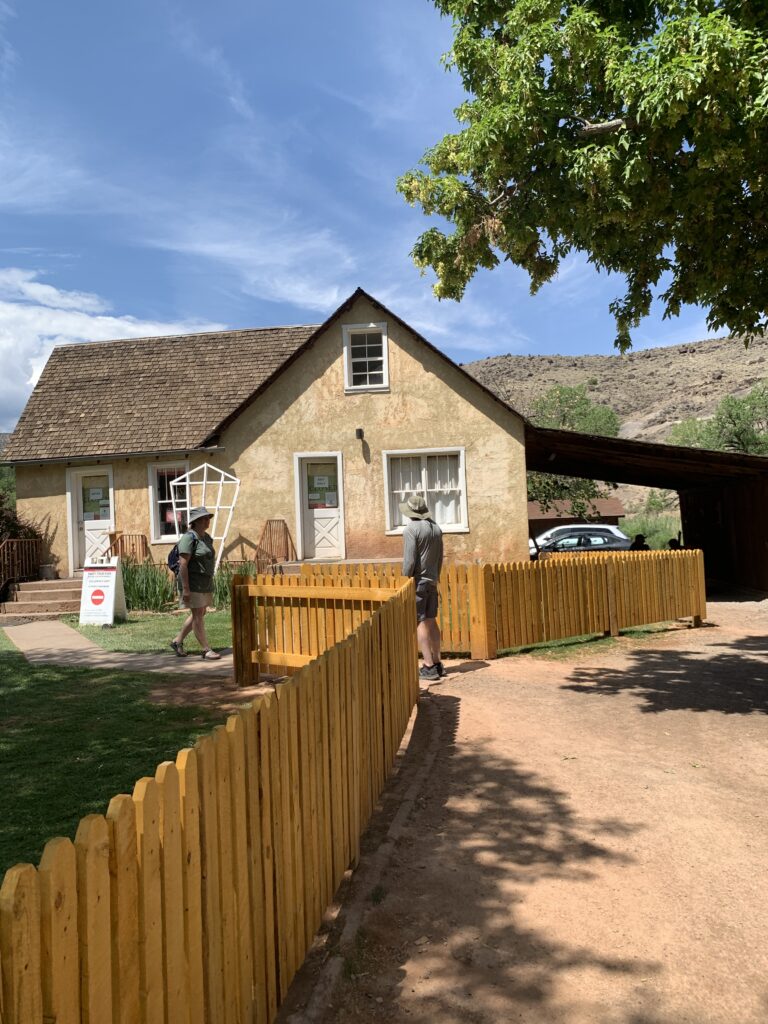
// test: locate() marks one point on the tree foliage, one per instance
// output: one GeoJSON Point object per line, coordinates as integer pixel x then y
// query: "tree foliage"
{"type": "Point", "coordinates": [8, 483]}
{"type": "Point", "coordinates": [633, 131]}
{"type": "Point", "coordinates": [12, 526]}
{"type": "Point", "coordinates": [570, 408]}
{"type": "Point", "coordinates": [738, 425]}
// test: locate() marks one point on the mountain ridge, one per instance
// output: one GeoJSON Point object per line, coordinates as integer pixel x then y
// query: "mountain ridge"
{"type": "Point", "coordinates": [650, 389]}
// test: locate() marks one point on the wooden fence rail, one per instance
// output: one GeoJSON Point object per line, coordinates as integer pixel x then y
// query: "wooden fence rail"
{"type": "Point", "coordinates": [195, 899]}
{"type": "Point", "coordinates": [489, 608]}
{"type": "Point", "coordinates": [19, 560]}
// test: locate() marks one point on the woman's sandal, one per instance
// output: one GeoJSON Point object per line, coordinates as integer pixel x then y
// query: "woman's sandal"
{"type": "Point", "coordinates": [179, 649]}
{"type": "Point", "coordinates": [210, 655]}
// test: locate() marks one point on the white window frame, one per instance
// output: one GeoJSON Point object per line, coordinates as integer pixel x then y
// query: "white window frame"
{"type": "Point", "coordinates": [156, 537]}
{"type": "Point", "coordinates": [463, 526]}
{"type": "Point", "coordinates": [347, 331]}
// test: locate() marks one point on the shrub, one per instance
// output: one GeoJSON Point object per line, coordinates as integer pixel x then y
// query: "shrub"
{"type": "Point", "coordinates": [148, 587]}
{"type": "Point", "coordinates": [657, 528]}
{"type": "Point", "coordinates": [222, 581]}
{"type": "Point", "coordinates": [12, 527]}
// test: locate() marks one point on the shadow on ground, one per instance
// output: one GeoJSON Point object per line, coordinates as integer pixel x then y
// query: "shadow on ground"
{"type": "Point", "coordinates": [731, 678]}
{"type": "Point", "coordinates": [447, 942]}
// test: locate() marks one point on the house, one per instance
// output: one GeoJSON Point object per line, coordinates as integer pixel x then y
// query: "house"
{"type": "Point", "coordinates": [327, 426]}
{"type": "Point", "coordinates": [602, 510]}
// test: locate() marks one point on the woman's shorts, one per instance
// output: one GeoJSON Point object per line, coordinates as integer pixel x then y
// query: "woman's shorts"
{"type": "Point", "coordinates": [196, 600]}
{"type": "Point", "coordinates": [426, 600]}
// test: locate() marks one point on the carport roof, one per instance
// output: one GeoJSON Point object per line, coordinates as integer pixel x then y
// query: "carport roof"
{"type": "Point", "coordinates": [635, 462]}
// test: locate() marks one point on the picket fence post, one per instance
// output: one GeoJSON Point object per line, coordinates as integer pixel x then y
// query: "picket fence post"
{"type": "Point", "coordinates": [610, 589]}
{"type": "Point", "coordinates": [482, 615]}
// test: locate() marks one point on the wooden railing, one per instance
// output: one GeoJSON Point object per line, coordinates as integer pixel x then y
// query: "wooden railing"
{"type": "Point", "coordinates": [19, 560]}
{"type": "Point", "coordinates": [132, 547]}
{"type": "Point", "coordinates": [277, 541]}
{"type": "Point", "coordinates": [196, 898]}
{"type": "Point", "coordinates": [488, 608]}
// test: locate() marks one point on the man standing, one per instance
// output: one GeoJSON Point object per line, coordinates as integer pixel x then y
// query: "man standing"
{"type": "Point", "coordinates": [422, 560]}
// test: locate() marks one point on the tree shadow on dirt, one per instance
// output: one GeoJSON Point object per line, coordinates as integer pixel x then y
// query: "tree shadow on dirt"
{"type": "Point", "coordinates": [732, 679]}
{"type": "Point", "coordinates": [449, 941]}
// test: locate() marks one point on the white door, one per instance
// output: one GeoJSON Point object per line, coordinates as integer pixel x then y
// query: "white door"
{"type": "Point", "coordinates": [93, 505]}
{"type": "Point", "coordinates": [322, 520]}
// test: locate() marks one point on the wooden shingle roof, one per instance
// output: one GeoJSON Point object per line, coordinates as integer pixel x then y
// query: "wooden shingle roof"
{"type": "Point", "coordinates": [146, 394]}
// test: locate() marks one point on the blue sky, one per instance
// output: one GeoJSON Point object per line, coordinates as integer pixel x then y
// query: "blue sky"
{"type": "Point", "coordinates": [174, 165]}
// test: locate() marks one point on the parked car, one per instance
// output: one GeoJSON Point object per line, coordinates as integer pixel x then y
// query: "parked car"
{"type": "Point", "coordinates": [564, 531]}
{"type": "Point", "coordinates": [586, 539]}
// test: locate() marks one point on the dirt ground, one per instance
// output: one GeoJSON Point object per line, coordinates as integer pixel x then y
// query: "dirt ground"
{"type": "Point", "coordinates": [590, 846]}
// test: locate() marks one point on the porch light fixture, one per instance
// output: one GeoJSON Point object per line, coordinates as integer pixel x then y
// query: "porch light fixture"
{"type": "Point", "coordinates": [359, 433]}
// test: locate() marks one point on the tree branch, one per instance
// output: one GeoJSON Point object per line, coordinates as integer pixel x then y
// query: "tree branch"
{"type": "Point", "coordinates": [592, 130]}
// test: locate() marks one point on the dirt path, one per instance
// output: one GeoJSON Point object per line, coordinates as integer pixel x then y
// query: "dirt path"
{"type": "Point", "coordinates": [591, 847]}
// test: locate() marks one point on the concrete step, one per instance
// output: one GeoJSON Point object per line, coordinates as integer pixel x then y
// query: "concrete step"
{"type": "Point", "coordinates": [45, 585]}
{"type": "Point", "coordinates": [48, 595]}
{"type": "Point", "coordinates": [53, 607]}
{"type": "Point", "coordinates": [11, 619]}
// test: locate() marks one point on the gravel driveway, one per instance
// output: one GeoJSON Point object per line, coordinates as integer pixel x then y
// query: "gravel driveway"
{"type": "Point", "coordinates": [591, 846]}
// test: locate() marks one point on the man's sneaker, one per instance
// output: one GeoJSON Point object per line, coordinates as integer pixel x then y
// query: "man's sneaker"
{"type": "Point", "coordinates": [440, 668]}
{"type": "Point", "coordinates": [430, 672]}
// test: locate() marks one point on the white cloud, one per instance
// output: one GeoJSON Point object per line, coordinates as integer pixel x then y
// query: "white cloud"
{"type": "Point", "coordinates": [33, 322]}
{"type": "Point", "coordinates": [212, 59]}
{"type": "Point", "coordinates": [466, 329]}
{"type": "Point", "coordinates": [7, 53]}
{"type": "Point", "coordinates": [276, 256]}
{"type": "Point", "coordinates": [33, 176]}
{"type": "Point", "coordinates": [576, 280]}
{"type": "Point", "coordinates": [23, 286]}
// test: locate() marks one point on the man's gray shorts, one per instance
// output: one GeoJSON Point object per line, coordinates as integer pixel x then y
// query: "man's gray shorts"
{"type": "Point", "coordinates": [426, 600]}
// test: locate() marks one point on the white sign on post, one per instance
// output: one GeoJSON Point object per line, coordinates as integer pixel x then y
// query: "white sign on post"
{"type": "Point", "coordinates": [103, 597]}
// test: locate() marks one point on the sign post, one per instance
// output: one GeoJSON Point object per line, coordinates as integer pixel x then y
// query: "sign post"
{"type": "Point", "coordinates": [103, 597]}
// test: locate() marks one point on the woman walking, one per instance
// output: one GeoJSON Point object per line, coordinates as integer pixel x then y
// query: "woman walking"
{"type": "Point", "coordinates": [197, 561]}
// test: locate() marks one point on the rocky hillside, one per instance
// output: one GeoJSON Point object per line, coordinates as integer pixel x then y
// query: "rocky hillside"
{"type": "Point", "coordinates": [649, 389]}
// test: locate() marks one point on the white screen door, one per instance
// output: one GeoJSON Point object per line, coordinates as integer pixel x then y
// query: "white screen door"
{"type": "Point", "coordinates": [322, 521]}
{"type": "Point", "coordinates": [93, 498]}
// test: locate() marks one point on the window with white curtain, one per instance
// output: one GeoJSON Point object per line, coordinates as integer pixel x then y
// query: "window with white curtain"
{"type": "Point", "coordinates": [437, 474]}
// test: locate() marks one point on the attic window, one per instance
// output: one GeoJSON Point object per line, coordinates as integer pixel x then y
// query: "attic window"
{"type": "Point", "coordinates": [366, 363]}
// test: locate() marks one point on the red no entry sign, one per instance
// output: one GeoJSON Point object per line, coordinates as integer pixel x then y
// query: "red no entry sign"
{"type": "Point", "coordinates": [97, 597]}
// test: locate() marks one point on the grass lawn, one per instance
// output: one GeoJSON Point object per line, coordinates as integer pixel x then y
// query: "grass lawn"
{"type": "Point", "coordinates": [583, 646]}
{"type": "Point", "coordinates": [70, 740]}
{"type": "Point", "coordinates": [148, 632]}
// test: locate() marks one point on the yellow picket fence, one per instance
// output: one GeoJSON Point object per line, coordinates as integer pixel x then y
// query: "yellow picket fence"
{"type": "Point", "coordinates": [460, 595]}
{"type": "Point", "coordinates": [196, 898]}
{"type": "Point", "coordinates": [493, 607]}
{"type": "Point", "coordinates": [280, 623]}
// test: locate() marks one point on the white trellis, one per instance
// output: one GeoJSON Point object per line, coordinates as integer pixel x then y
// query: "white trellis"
{"type": "Point", "coordinates": [211, 487]}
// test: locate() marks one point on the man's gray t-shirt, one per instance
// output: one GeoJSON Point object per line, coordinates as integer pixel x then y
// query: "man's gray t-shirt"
{"type": "Point", "coordinates": [422, 550]}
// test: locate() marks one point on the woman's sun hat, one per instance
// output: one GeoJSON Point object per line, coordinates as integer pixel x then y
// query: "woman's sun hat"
{"type": "Point", "coordinates": [198, 513]}
{"type": "Point", "coordinates": [415, 507]}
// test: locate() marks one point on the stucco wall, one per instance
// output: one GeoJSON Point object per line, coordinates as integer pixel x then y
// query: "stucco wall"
{"type": "Point", "coordinates": [430, 404]}
{"type": "Point", "coordinates": [41, 498]}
